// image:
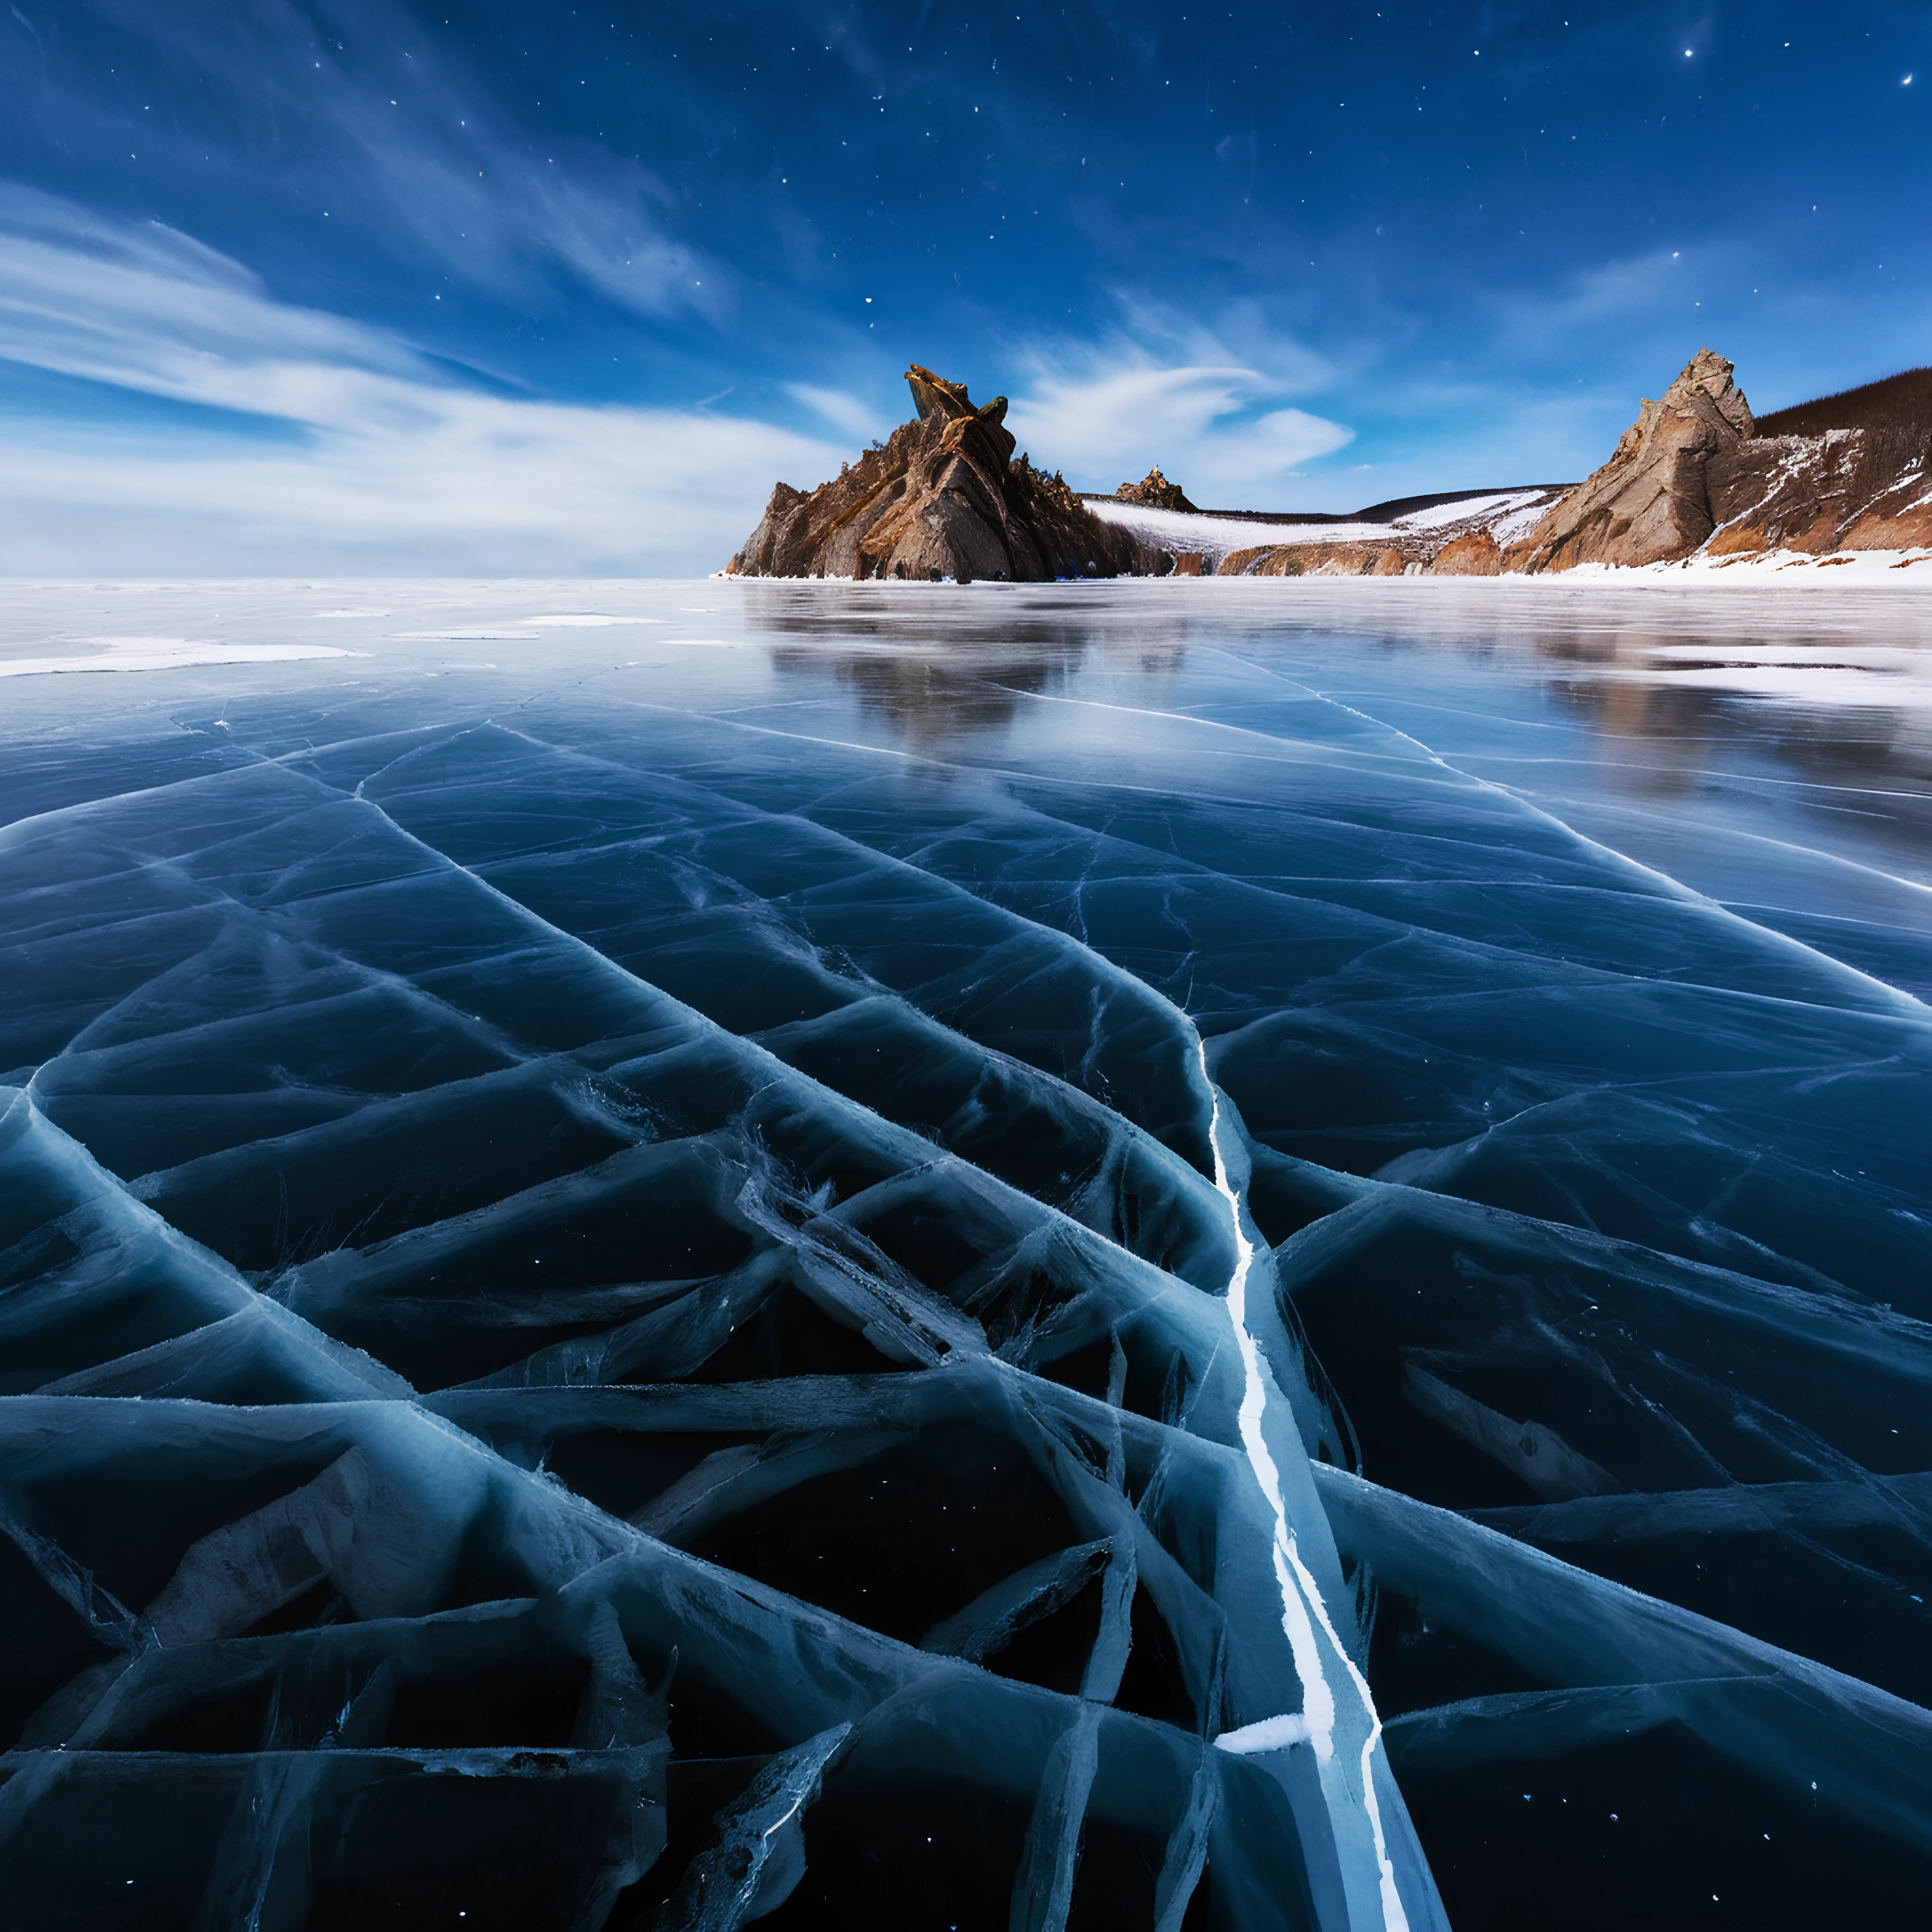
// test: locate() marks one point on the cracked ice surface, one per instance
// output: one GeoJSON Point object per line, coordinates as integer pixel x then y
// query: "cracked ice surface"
{"type": "Point", "coordinates": [1102, 1256]}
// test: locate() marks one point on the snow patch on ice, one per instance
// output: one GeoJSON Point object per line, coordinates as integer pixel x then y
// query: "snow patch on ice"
{"type": "Point", "coordinates": [518, 630]}
{"type": "Point", "coordinates": [585, 619]}
{"type": "Point", "coordinates": [464, 637]}
{"type": "Point", "coordinates": [164, 654]}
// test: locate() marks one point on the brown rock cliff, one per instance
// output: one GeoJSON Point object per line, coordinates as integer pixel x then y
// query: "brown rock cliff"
{"type": "Point", "coordinates": [943, 497]}
{"type": "Point", "coordinates": [1850, 472]}
{"type": "Point", "coordinates": [1650, 502]}
{"type": "Point", "coordinates": [1320, 559]}
{"type": "Point", "coordinates": [1475, 553]}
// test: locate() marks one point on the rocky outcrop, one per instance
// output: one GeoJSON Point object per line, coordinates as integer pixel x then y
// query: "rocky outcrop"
{"type": "Point", "coordinates": [1650, 503]}
{"type": "Point", "coordinates": [1695, 472]}
{"type": "Point", "coordinates": [1154, 492]}
{"type": "Point", "coordinates": [1474, 553]}
{"type": "Point", "coordinates": [1320, 559]}
{"type": "Point", "coordinates": [943, 497]}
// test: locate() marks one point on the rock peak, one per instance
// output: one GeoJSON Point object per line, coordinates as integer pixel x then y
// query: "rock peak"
{"type": "Point", "coordinates": [943, 497]}
{"type": "Point", "coordinates": [1710, 375]}
{"type": "Point", "coordinates": [935, 396]}
{"type": "Point", "coordinates": [1650, 502]}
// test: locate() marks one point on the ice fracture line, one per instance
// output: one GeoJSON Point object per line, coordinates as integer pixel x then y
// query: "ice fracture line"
{"type": "Point", "coordinates": [1299, 1591]}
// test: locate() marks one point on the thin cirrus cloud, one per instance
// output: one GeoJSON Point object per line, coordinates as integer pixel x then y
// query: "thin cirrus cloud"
{"type": "Point", "coordinates": [1103, 418]}
{"type": "Point", "coordinates": [844, 412]}
{"type": "Point", "coordinates": [142, 306]}
{"type": "Point", "coordinates": [382, 460]}
{"type": "Point", "coordinates": [494, 212]}
{"type": "Point", "coordinates": [363, 118]}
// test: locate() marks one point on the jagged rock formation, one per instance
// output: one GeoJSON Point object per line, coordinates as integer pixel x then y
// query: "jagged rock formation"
{"type": "Point", "coordinates": [944, 496]}
{"type": "Point", "coordinates": [1156, 492]}
{"type": "Point", "coordinates": [1696, 473]}
{"type": "Point", "coordinates": [1650, 503]}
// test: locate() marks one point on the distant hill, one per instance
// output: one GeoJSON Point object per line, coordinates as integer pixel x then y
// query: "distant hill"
{"type": "Point", "coordinates": [1904, 401]}
{"type": "Point", "coordinates": [1694, 474]}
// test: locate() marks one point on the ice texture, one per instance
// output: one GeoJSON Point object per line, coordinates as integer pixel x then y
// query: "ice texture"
{"type": "Point", "coordinates": [1036, 1258]}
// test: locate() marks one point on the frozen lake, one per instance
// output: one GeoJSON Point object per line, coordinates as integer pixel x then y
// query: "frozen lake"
{"type": "Point", "coordinates": [1201, 1253]}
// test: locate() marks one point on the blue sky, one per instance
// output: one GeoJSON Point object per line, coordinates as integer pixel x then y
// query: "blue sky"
{"type": "Point", "coordinates": [295, 289]}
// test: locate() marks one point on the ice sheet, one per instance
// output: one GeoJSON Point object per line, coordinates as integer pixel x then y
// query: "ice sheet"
{"type": "Point", "coordinates": [768, 1263]}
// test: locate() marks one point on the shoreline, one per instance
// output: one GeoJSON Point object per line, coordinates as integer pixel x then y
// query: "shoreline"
{"type": "Point", "coordinates": [1885, 569]}
{"type": "Point", "coordinates": [1511, 514]}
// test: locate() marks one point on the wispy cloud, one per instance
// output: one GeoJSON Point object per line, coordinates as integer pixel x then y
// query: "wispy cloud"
{"type": "Point", "coordinates": [389, 462]}
{"type": "Point", "coordinates": [411, 482]}
{"type": "Point", "coordinates": [1646, 290]}
{"type": "Point", "coordinates": [409, 140]}
{"type": "Point", "coordinates": [1104, 415]}
{"type": "Point", "coordinates": [141, 305]}
{"type": "Point", "coordinates": [844, 412]}
{"type": "Point", "coordinates": [494, 211]}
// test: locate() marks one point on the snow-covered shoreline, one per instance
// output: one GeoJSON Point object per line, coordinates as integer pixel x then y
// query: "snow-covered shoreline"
{"type": "Point", "coordinates": [1508, 515]}
{"type": "Point", "coordinates": [1880, 569]}
{"type": "Point", "coordinates": [1888, 569]}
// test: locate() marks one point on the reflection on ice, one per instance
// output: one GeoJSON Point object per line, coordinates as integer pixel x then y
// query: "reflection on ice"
{"type": "Point", "coordinates": [1079, 1257]}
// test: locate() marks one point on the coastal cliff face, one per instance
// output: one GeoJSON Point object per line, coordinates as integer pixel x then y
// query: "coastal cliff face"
{"type": "Point", "coordinates": [943, 497]}
{"type": "Point", "coordinates": [1695, 472]}
{"type": "Point", "coordinates": [1650, 503]}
